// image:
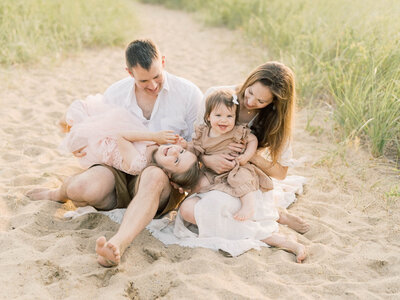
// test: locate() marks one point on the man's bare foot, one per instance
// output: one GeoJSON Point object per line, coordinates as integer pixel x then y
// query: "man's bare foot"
{"type": "Point", "coordinates": [292, 221]}
{"type": "Point", "coordinates": [45, 194]}
{"type": "Point", "coordinates": [244, 213]}
{"type": "Point", "coordinates": [109, 254]}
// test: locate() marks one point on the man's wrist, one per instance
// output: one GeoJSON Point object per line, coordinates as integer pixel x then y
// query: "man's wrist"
{"type": "Point", "coordinates": [153, 136]}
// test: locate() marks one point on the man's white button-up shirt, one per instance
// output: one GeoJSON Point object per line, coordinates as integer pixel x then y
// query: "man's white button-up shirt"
{"type": "Point", "coordinates": [175, 109]}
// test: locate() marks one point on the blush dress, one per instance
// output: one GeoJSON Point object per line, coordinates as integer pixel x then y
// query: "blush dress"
{"type": "Point", "coordinates": [241, 180]}
{"type": "Point", "coordinates": [95, 125]}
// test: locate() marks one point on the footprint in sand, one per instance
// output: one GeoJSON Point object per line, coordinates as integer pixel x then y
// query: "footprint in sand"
{"type": "Point", "coordinates": [153, 254]}
{"type": "Point", "coordinates": [50, 272]}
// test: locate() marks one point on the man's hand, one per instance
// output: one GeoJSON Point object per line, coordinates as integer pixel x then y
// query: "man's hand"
{"type": "Point", "coordinates": [80, 152]}
{"type": "Point", "coordinates": [165, 137]}
{"type": "Point", "coordinates": [219, 163]}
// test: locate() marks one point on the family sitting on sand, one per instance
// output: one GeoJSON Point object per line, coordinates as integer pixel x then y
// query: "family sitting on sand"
{"type": "Point", "coordinates": [153, 134]}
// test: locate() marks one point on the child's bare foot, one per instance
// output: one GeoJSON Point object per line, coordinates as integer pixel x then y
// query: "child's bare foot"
{"type": "Point", "coordinates": [109, 254]}
{"type": "Point", "coordinates": [244, 213]}
{"type": "Point", "coordinates": [292, 221]}
{"type": "Point", "coordinates": [45, 194]}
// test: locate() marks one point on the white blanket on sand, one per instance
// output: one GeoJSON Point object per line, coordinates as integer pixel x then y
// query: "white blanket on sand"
{"type": "Point", "coordinates": [216, 229]}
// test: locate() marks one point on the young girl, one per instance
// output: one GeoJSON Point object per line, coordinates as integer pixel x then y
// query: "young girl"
{"type": "Point", "coordinates": [115, 137]}
{"type": "Point", "coordinates": [219, 131]}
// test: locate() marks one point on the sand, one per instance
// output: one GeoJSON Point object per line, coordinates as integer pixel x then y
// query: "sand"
{"type": "Point", "coordinates": [353, 244]}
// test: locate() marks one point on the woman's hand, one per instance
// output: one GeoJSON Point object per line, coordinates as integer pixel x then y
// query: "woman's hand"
{"type": "Point", "coordinates": [219, 163]}
{"type": "Point", "coordinates": [165, 137]}
{"type": "Point", "coordinates": [237, 147]}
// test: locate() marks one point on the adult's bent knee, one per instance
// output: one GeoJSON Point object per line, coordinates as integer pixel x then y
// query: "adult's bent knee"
{"type": "Point", "coordinates": [91, 192]}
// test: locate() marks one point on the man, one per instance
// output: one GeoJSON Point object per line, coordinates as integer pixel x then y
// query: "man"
{"type": "Point", "coordinates": [162, 102]}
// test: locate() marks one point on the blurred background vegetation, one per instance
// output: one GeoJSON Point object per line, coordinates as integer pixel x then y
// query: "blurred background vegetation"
{"type": "Point", "coordinates": [32, 29]}
{"type": "Point", "coordinates": [344, 52]}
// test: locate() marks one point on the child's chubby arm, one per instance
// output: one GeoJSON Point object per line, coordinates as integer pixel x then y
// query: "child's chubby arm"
{"type": "Point", "coordinates": [128, 150]}
{"type": "Point", "coordinates": [160, 137]}
{"type": "Point", "coordinates": [185, 144]}
{"type": "Point", "coordinates": [251, 149]}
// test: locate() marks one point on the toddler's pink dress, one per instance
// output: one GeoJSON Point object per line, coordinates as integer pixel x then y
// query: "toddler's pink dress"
{"type": "Point", "coordinates": [95, 125]}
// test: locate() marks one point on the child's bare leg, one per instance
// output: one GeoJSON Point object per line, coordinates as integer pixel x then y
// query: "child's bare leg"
{"type": "Point", "coordinates": [289, 244]}
{"type": "Point", "coordinates": [247, 209]}
{"type": "Point", "coordinates": [292, 221]}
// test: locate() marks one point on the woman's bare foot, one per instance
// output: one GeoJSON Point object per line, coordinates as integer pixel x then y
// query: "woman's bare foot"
{"type": "Point", "coordinates": [109, 254]}
{"type": "Point", "coordinates": [292, 221]}
{"type": "Point", "coordinates": [244, 213]}
{"type": "Point", "coordinates": [289, 244]}
{"type": "Point", "coordinates": [45, 194]}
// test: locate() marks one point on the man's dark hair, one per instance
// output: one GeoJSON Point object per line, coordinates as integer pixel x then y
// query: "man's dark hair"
{"type": "Point", "coordinates": [142, 53]}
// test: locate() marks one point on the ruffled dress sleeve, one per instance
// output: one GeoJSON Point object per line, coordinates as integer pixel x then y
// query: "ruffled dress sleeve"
{"type": "Point", "coordinates": [241, 133]}
{"type": "Point", "coordinates": [197, 139]}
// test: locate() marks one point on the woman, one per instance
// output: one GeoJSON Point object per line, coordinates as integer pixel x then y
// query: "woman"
{"type": "Point", "coordinates": [266, 103]}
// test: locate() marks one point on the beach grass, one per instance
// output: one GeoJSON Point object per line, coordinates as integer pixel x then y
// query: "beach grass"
{"type": "Point", "coordinates": [346, 53]}
{"type": "Point", "coordinates": [30, 30]}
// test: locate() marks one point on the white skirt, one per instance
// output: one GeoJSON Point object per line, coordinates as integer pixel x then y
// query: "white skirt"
{"type": "Point", "coordinates": [217, 229]}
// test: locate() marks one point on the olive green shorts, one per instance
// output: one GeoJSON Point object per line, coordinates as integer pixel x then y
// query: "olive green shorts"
{"type": "Point", "coordinates": [126, 186]}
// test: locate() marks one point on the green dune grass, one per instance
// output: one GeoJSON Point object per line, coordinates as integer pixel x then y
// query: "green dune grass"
{"type": "Point", "coordinates": [344, 52]}
{"type": "Point", "coordinates": [32, 29]}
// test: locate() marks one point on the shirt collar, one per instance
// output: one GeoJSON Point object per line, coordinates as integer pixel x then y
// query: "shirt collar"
{"type": "Point", "coordinates": [165, 83]}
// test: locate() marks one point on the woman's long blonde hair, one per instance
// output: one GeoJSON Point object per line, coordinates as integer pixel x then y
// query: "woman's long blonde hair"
{"type": "Point", "coordinates": [273, 124]}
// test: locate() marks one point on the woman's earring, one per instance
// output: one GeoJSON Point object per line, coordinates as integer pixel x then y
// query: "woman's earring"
{"type": "Point", "coordinates": [273, 107]}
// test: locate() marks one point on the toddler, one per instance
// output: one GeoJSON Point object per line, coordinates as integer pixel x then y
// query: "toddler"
{"type": "Point", "coordinates": [220, 130]}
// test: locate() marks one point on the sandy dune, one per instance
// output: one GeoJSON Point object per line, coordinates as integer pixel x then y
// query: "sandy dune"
{"type": "Point", "coordinates": [354, 243]}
